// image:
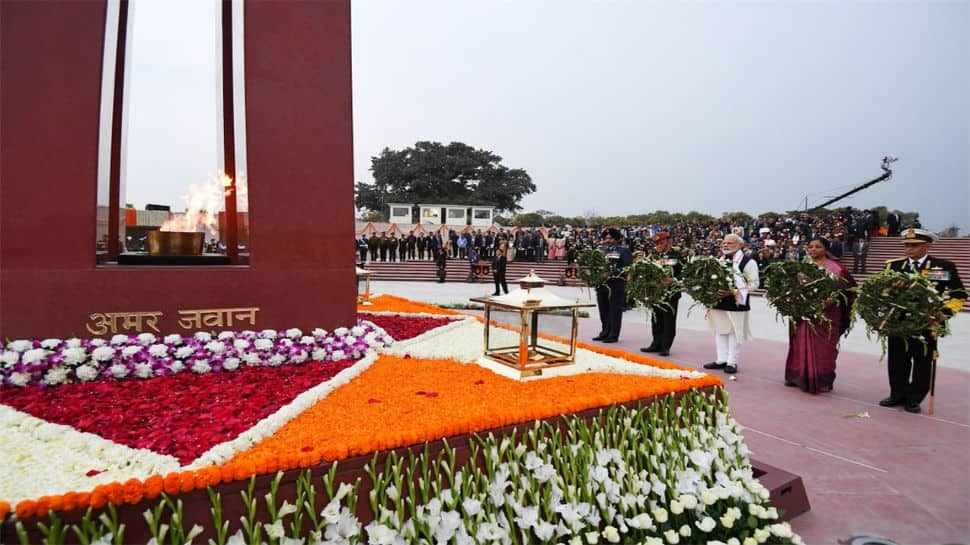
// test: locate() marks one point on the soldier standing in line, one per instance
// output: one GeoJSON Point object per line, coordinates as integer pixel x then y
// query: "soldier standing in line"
{"type": "Point", "coordinates": [664, 324]}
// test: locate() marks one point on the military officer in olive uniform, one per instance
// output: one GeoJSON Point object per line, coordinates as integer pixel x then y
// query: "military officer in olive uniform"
{"type": "Point", "coordinates": [612, 297]}
{"type": "Point", "coordinates": [913, 357]}
{"type": "Point", "coordinates": [665, 317]}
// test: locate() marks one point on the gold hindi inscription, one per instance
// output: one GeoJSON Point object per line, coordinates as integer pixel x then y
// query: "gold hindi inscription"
{"type": "Point", "coordinates": [103, 323]}
{"type": "Point", "coordinates": [113, 322]}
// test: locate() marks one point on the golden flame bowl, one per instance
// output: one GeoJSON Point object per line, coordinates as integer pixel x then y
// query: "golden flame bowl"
{"type": "Point", "coordinates": [175, 243]}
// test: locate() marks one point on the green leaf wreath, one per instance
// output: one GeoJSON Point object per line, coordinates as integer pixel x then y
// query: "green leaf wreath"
{"type": "Point", "coordinates": [799, 290]}
{"type": "Point", "coordinates": [645, 287]}
{"type": "Point", "coordinates": [898, 304]}
{"type": "Point", "coordinates": [704, 277]}
{"type": "Point", "coordinates": [592, 266]}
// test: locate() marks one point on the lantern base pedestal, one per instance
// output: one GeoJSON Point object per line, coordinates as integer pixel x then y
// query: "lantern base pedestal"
{"type": "Point", "coordinates": [137, 258]}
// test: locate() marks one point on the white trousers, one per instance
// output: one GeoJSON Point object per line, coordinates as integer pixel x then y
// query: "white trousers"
{"type": "Point", "coordinates": [728, 348]}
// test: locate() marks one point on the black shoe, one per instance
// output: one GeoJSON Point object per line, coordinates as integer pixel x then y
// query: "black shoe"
{"type": "Point", "coordinates": [610, 340]}
{"type": "Point", "coordinates": [714, 365]}
{"type": "Point", "coordinates": [663, 353]}
{"type": "Point", "coordinates": [891, 402]}
{"type": "Point", "coordinates": [730, 369]}
{"type": "Point", "coordinates": [911, 407]}
{"type": "Point", "coordinates": [495, 294]}
{"type": "Point", "coordinates": [649, 349]}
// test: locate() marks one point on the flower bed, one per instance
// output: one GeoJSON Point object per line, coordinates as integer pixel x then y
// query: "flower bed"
{"type": "Point", "coordinates": [399, 398]}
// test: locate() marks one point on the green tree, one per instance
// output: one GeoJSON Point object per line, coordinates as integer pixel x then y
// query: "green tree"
{"type": "Point", "coordinates": [528, 220]}
{"type": "Point", "coordinates": [453, 174]}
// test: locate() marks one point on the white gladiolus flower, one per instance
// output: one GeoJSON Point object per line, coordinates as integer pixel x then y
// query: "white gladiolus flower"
{"type": "Point", "coordinates": [471, 506]}
{"type": "Point", "coordinates": [202, 336]}
{"type": "Point", "coordinates": [782, 530]}
{"type": "Point", "coordinates": [34, 355]}
{"type": "Point", "coordinates": [86, 373]}
{"type": "Point", "coordinates": [263, 344]}
{"type": "Point", "coordinates": [689, 501]}
{"type": "Point", "coordinates": [158, 350]}
{"type": "Point", "coordinates": [50, 344]}
{"type": "Point", "coordinates": [672, 537]}
{"type": "Point", "coordinates": [119, 371]}
{"type": "Point", "coordinates": [275, 530]}
{"type": "Point", "coordinates": [174, 338]}
{"type": "Point", "coordinates": [103, 353]}
{"type": "Point", "coordinates": [230, 364]}
{"type": "Point", "coordinates": [706, 524]}
{"type": "Point", "coordinates": [145, 339]}
{"type": "Point", "coordinates": [119, 339]}
{"type": "Point", "coordinates": [19, 379]}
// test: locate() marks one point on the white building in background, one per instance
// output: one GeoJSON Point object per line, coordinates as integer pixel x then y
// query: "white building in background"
{"type": "Point", "coordinates": [400, 213]}
{"type": "Point", "coordinates": [456, 215]}
{"type": "Point", "coordinates": [430, 213]}
{"type": "Point", "coordinates": [482, 216]}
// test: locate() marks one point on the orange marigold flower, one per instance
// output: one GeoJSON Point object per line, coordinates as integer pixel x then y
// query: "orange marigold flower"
{"type": "Point", "coordinates": [187, 481]}
{"type": "Point", "coordinates": [4, 510]}
{"type": "Point", "coordinates": [116, 493]}
{"type": "Point", "coordinates": [172, 483]}
{"type": "Point", "coordinates": [153, 487]}
{"type": "Point", "coordinates": [26, 509]}
{"type": "Point", "coordinates": [133, 490]}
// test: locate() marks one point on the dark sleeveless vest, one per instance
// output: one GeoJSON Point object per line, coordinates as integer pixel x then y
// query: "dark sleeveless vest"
{"type": "Point", "coordinates": [729, 303]}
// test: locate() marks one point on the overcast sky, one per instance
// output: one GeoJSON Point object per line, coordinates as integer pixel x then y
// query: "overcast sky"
{"type": "Point", "coordinates": [625, 107]}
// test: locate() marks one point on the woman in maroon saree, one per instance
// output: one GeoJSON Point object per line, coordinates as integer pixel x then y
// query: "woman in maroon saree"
{"type": "Point", "coordinates": [814, 345]}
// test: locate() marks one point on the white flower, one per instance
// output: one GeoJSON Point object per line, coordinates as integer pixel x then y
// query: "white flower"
{"type": "Point", "coordinates": [34, 355]}
{"type": "Point", "coordinates": [708, 498]}
{"type": "Point", "coordinates": [10, 357]}
{"type": "Point", "coordinates": [676, 507]}
{"type": "Point", "coordinates": [19, 379]}
{"type": "Point", "coordinates": [733, 541]}
{"type": "Point", "coordinates": [130, 351]}
{"type": "Point", "coordinates": [684, 530]}
{"type": "Point", "coordinates": [176, 367]}
{"type": "Point", "coordinates": [97, 342]}
{"type": "Point", "coordinates": [202, 336]}
{"type": "Point", "coordinates": [471, 506]}
{"type": "Point", "coordinates": [544, 530]}
{"type": "Point", "coordinates": [56, 375]}
{"type": "Point", "coordinates": [20, 346]}
{"type": "Point", "coordinates": [689, 501]}
{"type": "Point", "coordinates": [144, 370]}
{"type": "Point", "coordinates": [307, 340]}
{"type": "Point", "coordinates": [640, 522]}
{"type": "Point", "coordinates": [749, 541]}
{"type": "Point", "coordinates": [251, 358]}
{"type": "Point", "coordinates": [230, 364]}
{"type": "Point", "coordinates": [216, 347]}
{"type": "Point", "coordinates": [201, 367]}
{"type": "Point", "coordinates": [73, 342]}
{"type": "Point", "coordinates": [294, 333]}
{"type": "Point", "coordinates": [86, 373]}
{"type": "Point", "coordinates": [705, 525]}
{"type": "Point", "coordinates": [263, 344]}
{"type": "Point", "coordinates": [240, 344]}
{"type": "Point", "coordinates": [119, 370]}
{"type": "Point", "coordinates": [761, 535]}
{"type": "Point", "coordinates": [652, 540]}
{"type": "Point", "coordinates": [50, 344]}
{"type": "Point", "coordinates": [660, 515]}
{"type": "Point", "coordinates": [319, 355]}
{"type": "Point", "coordinates": [337, 355]}
{"type": "Point", "coordinates": [672, 537]}
{"type": "Point", "coordinates": [378, 534]}
{"type": "Point", "coordinates": [146, 339]}
{"type": "Point", "coordinates": [611, 534]}
{"type": "Point", "coordinates": [318, 332]}
{"type": "Point", "coordinates": [592, 537]}
{"type": "Point", "coordinates": [268, 333]}
{"type": "Point", "coordinates": [276, 360]}
{"type": "Point", "coordinates": [174, 338]}
{"type": "Point", "coordinates": [103, 353]}
{"type": "Point", "coordinates": [120, 339]}
{"type": "Point", "coordinates": [299, 357]}
{"type": "Point", "coordinates": [727, 521]}
{"type": "Point", "coordinates": [183, 352]}
{"type": "Point", "coordinates": [782, 530]}
{"type": "Point", "coordinates": [157, 350]}
{"type": "Point", "coordinates": [275, 530]}
{"type": "Point", "coordinates": [392, 493]}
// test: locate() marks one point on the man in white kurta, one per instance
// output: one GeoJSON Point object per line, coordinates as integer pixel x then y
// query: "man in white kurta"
{"type": "Point", "coordinates": [728, 320]}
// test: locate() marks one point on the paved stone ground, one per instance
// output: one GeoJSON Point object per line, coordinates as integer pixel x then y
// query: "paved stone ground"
{"type": "Point", "coordinates": [901, 476]}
